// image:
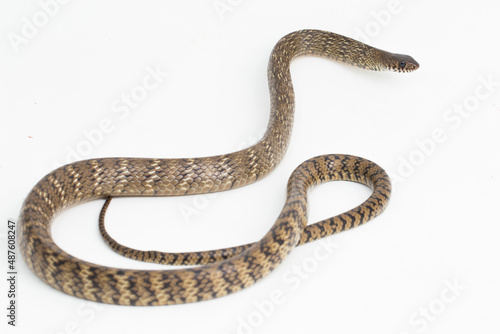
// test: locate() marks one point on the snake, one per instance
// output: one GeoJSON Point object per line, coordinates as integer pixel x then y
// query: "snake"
{"type": "Point", "coordinates": [215, 273]}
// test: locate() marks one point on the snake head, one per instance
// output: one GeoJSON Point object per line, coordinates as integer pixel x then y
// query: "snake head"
{"type": "Point", "coordinates": [401, 63]}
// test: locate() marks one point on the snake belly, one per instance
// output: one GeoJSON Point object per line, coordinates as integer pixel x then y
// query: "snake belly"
{"type": "Point", "coordinates": [114, 177]}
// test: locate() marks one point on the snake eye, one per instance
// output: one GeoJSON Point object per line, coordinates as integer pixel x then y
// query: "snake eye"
{"type": "Point", "coordinates": [402, 64]}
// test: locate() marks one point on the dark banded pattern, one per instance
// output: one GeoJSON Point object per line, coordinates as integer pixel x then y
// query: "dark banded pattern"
{"type": "Point", "coordinates": [338, 167]}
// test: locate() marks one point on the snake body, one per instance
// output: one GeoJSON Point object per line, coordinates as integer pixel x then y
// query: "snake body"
{"type": "Point", "coordinates": [223, 271]}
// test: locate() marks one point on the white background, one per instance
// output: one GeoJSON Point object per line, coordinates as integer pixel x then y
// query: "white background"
{"type": "Point", "coordinates": [390, 276]}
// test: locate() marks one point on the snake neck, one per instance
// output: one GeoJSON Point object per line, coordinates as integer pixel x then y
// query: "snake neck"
{"type": "Point", "coordinates": [301, 43]}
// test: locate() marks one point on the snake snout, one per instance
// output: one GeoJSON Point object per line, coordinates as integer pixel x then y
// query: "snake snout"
{"type": "Point", "coordinates": [403, 63]}
{"type": "Point", "coordinates": [411, 65]}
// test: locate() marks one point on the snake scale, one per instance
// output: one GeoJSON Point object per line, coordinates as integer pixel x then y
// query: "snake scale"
{"type": "Point", "coordinates": [221, 271]}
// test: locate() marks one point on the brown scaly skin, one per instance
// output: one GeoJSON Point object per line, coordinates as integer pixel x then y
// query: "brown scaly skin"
{"type": "Point", "coordinates": [111, 177]}
{"type": "Point", "coordinates": [347, 168]}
